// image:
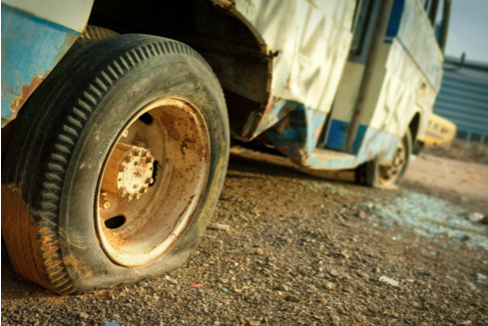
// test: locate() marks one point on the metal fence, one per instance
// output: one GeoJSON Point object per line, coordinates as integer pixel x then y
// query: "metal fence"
{"type": "Point", "coordinates": [463, 99]}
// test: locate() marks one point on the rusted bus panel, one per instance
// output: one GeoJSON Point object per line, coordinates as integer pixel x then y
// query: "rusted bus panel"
{"type": "Point", "coordinates": [308, 42]}
{"type": "Point", "coordinates": [33, 45]}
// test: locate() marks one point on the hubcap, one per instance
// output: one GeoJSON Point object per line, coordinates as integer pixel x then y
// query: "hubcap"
{"type": "Point", "coordinates": [152, 182]}
{"type": "Point", "coordinates": [390, 172]}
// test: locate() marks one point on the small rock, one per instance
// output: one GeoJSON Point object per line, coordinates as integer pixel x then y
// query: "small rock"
{"type": "Point", "coordinates": [362, 215]}
{"type": "Point", "coordinates": [217, 226]}
{"type": "Point", "coordinates": [364, 276]}
{"type": "Point", "coordinates": [467, 322]}
{"type": "Point", "coordinates": [115, 317]}
{"type": "Point", "coordinates": [83, 315]}
{"type": "Point", "coordinates": [414, 304]}
{"type": "Point", "coordinates": [367, 206]}
{"type": "Point", "coordinates": [143, 284]}
{"type": "Point", "coordinates": [167, 278]}
{"type": "Point", "coordinates": [322, 300]}
{"type": "Point", "coordinates": [365, 290]}
{"type": "Point", "coordinates": [259, 252]}
{"type": "Point", "coordinates": [333, 273]}
{"type": "Point", "coordinates": [292, 298]}
{"type": "Point", "coordinates": [253, 323]}
{"type": "Point", "coordinates": [472, 286]}
{"type": "Point", "coordinates": [450, 278]}
{"type": "Point", "coordinates": [282, 287]}
{"type": "Point", "coordinates": [476, 217]}
{"type": "Point", "coordinates": [197, 286]}
{"type": "Point", "coordinates": [481, 277]}
{"type": "Point", "coordinates": [223, 280]}
{"type": "Point", "coordinates": [390, 281]}
{"type": "Point", "coordinates": [225, 290]}
{"type": "Point", "coordinates": [329, 286]}
{"type": "Point", "coordinates": [335, 319]}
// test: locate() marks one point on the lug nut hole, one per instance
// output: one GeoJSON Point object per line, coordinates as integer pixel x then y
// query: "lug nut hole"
{"type": "Point", "coordinates": [115, 222]}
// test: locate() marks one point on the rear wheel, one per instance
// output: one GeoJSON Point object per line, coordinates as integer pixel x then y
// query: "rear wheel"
{"type": "Point", "coordinates": [387, 175]}
{"type": "Point", "coordinates": [117, 165]}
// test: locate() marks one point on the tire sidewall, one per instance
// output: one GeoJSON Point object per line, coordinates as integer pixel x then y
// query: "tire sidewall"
{"type": "Point", "coordinates": [171, 76]}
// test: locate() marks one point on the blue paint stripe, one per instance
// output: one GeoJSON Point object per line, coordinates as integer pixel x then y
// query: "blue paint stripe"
{"type": "Point", "coordinates": [38, 20]}
{"type": "Point", "coordinates": [31, 46]}
{"type": "Point", "coordinates": [395, 18]}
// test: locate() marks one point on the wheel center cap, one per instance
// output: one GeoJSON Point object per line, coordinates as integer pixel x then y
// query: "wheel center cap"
{"type": "Point", "coordinates": [129, 172]}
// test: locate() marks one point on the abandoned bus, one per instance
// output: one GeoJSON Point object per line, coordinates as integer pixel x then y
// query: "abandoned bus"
{"type": "Point", "coordinates": [117, 116]}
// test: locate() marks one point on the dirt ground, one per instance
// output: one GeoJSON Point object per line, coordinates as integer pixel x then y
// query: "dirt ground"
{"type": "Point", "coordinates": [307, 251]}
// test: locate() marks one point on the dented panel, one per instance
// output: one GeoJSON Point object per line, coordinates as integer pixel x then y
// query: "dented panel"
{"type": "Point", "coordinates": [308, 42]}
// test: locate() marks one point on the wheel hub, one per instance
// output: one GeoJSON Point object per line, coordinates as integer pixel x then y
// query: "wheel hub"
{"type": "Point", "coordinates": [129, 172]}
{"type": "Point", "coordinates": [139, 219]}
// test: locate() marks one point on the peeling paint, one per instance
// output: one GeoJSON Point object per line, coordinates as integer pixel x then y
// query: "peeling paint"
{"type": "Point", "coordinates": [27, 91]}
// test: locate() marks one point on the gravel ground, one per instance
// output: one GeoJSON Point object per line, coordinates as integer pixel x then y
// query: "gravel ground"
{"type": "Point", "coordinates": [459, 150]}
{"type": "Point", "coordinates": [300, 251]}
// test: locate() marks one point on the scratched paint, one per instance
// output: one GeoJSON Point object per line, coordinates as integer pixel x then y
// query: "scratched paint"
{"type": "Point", "coordinates": [309, 41]}
{"type": "Point", "coordinates": [31, 47]}
{"type": "Point", "coordinates": [312, 40]}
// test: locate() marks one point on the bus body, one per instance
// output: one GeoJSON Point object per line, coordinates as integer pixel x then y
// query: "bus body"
{"type": "Point", "coordinates": [330, 84]}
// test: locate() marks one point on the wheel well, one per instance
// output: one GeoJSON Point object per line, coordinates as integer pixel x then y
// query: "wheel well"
{"type": "Point", "coordinates": [227, 44]}
{"type": "Point", "coordinates": [414, 126]}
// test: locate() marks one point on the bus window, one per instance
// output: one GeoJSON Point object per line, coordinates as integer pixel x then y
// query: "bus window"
{"type": "Point", "coordinates": [363, 13]}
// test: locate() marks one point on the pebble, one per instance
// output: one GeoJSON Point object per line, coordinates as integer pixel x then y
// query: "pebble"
{"type": "Point", "coordinates": [476, 217]}
{"type": "Point", "coordinates": [83, 315]}
{"type": "Point", "coordinates": [170, 280]}
{"type": "Point", "coordinates": [481, 277]}
{"type": "Point", "coordinates": [322, 300]}
{"type": "Point", "coordinates": [364, 276]}
{"type": "Point", "coordinates": [283, 287]}
{"type": "Point", "coordinates": [329, 285]}
{"type": "Point", "coordinates": [218, 226]}
{"type": "Point", "coordinates": [143, 284]}
{"type": "Point", "coordinates": [292, 298]}
{"type": "Point", "coordinates": [392, 282]}
{"type": "Point", "coordinates": [333, 273]}
{"type": "Point", "coordinates": [335, 319]}
{"type": "Point", "coordinates": [259, 252]}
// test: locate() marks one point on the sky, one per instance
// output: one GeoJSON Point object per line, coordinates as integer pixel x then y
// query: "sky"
{"type": "Point", "coordinates": [468, 30]}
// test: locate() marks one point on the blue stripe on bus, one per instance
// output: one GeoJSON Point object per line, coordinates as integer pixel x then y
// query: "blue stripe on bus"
{"type": "Point", "coordinates": [395, 18]}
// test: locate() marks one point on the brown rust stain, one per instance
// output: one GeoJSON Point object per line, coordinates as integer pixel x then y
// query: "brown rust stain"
{"type": "Point", "coordinates": [225, 4]}
{"type": "Point", "coordinates": [76, 266]}
{"type": "Point", "coordinates": [22, 235]}
{"type": "Point", "coordinates": [26, 92]}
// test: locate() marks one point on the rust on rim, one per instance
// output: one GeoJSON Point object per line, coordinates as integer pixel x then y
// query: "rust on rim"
{"type": "Point", "coordinates": [392, 170]}
{"type": "Point", "coordinates": [152, 181]}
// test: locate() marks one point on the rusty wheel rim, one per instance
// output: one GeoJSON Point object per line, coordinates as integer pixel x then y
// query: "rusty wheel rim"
{"type": "Point", "coordinates": [390, 172]}
{"type": "Point", "coordinates": [152, 182]}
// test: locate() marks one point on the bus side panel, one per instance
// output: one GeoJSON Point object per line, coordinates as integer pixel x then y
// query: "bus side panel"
{"type": "Point", "coordinates": [310, 43]}
{"type": "Point", "coordinates": [406, 80]}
